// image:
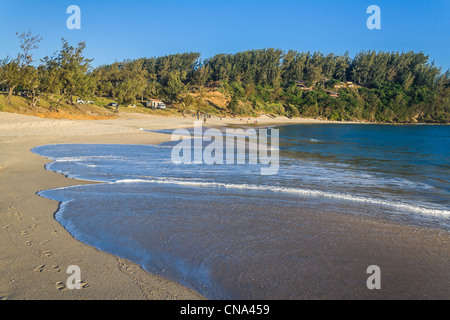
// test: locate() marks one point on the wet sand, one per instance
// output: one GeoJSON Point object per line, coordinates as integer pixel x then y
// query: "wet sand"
{"type": "Point", "coordinates": [36, 250]}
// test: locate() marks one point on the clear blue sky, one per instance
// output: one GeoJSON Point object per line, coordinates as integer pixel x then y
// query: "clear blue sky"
{"type": "Point", "coordinates": [116, 30]}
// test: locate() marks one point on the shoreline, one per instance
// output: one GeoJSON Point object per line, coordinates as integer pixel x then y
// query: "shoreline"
{"type": "Point", "coordinates": [36, 249]}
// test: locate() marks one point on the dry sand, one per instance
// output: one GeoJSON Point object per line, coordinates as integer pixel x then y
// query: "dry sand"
{"type": "Point", "coordinates": [35, 250]}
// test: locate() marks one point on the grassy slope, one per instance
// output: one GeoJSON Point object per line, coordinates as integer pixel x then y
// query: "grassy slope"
{"type": "Point", "coordinates": [44, 110]}
{"type": "Point", "coordinates": [97, 111]}
{"type": "Point", "coordinates": [211, 102]}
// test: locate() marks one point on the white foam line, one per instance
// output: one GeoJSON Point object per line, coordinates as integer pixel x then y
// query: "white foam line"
{"type": "Point", "coordinates": [317, 193]}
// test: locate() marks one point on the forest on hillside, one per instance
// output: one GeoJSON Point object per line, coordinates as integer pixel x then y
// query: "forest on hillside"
{"type": "Point", "coordinates": [373, 86]}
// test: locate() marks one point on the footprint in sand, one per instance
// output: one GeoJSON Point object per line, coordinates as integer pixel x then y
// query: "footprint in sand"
{"type": "Point", "coordinates": [56, 269]}
{"type": "Point", "coordinates": [60, 286]}
{"type": "Point", "coordinates": [28, 243]}
{"type": "Point", "coordinates": [83, 284]}
{"type": "Point", "coordinates": [46, 253]}
{"type": "Point", "coordinates": [23, 232]}
{"type": "Point", "coordinates": [40, 268]}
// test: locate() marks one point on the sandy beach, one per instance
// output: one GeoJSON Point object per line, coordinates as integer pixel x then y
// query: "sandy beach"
{"type": "Point", "coordinates": [36, 250]}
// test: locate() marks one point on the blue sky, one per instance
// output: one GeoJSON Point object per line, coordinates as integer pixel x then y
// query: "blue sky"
{"type": "Point", "coordinates": [117, 30]}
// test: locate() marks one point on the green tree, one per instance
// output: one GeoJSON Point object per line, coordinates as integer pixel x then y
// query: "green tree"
{"type": "Point", "coordinates": [174, 87]}
{"type": "Point", "coordinates": [10, 76]}
{"type": "Point", "coordinates": [29, 75]}
{"type": "Point", "coordinates": [132, 83]}
{"type": "Point", "coordinates": [73, 74]}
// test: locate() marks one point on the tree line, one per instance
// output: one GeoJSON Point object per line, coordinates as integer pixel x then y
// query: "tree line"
{"type": "Point", "coordinates": [388, 86]}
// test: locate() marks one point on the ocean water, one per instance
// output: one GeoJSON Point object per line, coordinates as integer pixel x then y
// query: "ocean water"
{"type": "Point", "coordinates": [230, 233]}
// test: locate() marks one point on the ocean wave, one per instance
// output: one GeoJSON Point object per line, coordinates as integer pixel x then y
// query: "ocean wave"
{"type": "Point", "coordinates": [442, 213]}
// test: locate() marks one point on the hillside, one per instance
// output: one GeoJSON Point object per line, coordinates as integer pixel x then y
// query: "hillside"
{"type": "Point", "coordinates": [382, 87]}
